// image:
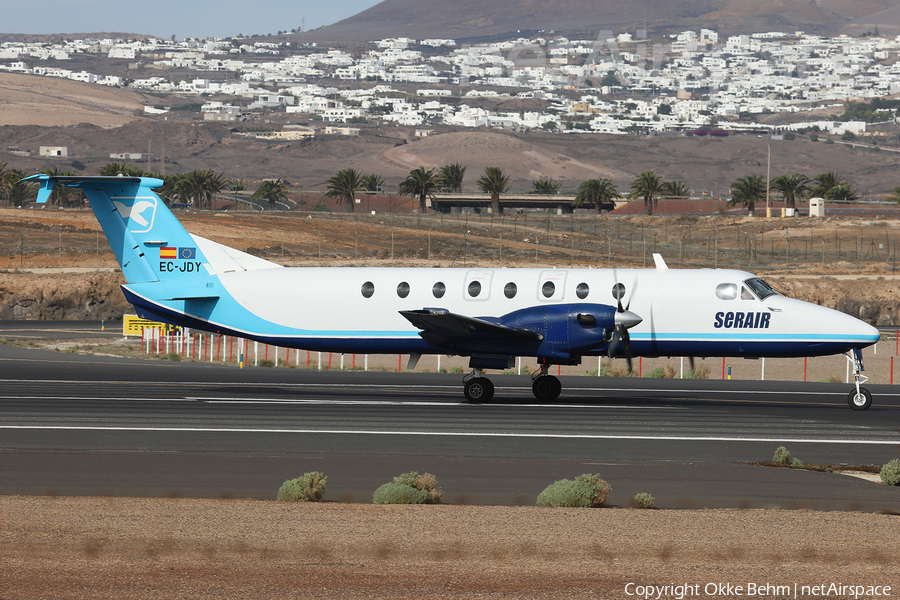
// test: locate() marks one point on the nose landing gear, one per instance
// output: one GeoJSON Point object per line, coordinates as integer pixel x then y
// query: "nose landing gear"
{"type": "Point", "coordinates": [860, 398]}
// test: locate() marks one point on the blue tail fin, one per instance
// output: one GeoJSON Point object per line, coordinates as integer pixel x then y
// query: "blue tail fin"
{"type": "Point", "coordinates": [148, 241]}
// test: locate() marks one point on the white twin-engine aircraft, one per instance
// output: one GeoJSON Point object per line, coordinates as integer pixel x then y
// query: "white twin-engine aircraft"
{"type": "Point", "coordinates": [557, 316]}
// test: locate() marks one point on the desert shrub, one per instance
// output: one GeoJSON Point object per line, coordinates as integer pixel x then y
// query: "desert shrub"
{"type": "Point", "coordinates": [617, 371]}
{"type": "Point", "coordinates": [172, 356]}
{"type": "Point", "coordinates": [309, 488]}
{"type": "Point", "coordinates": [667, 372]}
{"type": "Point", "coordinates": [265, 363]}
{"type": "Point", "coordinates": [797, 463]}
{"type": "Point", "coordinates": [644, 500]}
{"type": "Point", "coordinates": [585, 491]}
{"type": "Point", "coordinates": [700, 372]}
{"type": "Point", "coordinates": [890, 473]}
{"type": "Point", "coordinates": [782, 456]}
{"type": "Point", "coordinates": [456, 369]}
{"type": "Point", "coordinates": [410, 488]}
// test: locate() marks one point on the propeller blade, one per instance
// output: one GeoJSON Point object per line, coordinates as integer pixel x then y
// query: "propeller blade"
{"type": "Point", "coordinates": [691, 362]}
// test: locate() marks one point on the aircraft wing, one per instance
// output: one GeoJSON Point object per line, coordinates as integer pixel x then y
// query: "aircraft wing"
{"type": "Point", "coordinates": [458, 334]}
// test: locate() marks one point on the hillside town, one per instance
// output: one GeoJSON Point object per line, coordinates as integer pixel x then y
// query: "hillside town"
{"type": "Point", "coordinates": [617, 84]}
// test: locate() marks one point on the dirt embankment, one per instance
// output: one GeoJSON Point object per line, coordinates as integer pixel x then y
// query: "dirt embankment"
{"type": "Point", "coordinates": [62, 297]}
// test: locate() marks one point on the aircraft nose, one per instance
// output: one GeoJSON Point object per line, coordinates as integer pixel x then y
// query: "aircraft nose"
{"type": "Point", "coordinates": [627, 319]}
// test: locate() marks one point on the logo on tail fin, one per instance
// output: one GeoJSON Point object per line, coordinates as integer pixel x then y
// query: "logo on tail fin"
{"type": "Point", "coordinates": [142, 213]}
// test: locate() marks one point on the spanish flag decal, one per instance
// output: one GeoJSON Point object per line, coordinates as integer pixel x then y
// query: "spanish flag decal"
{"type": "Point", "coordinates": [167, 252]}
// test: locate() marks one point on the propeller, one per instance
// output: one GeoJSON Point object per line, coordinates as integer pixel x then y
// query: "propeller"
{"type": "Point", "coordinates": [624, 320]}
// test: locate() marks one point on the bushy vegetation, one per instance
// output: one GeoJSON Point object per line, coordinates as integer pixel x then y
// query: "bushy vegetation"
{"type": "Point", "coordinates": [585, 491]}
{"type": "Point", "coordinates": [309, 488]}
{"type": "Point", "coordinates": [667, 372]}
{"type": "Point", "coordinates": [410, 488]}
{"type": "Point", "coordinates": [782, 456]}
{"type": "Point", "coordinates": [644, 500]}
{"type": "Point", "coordinates": [890, 473]}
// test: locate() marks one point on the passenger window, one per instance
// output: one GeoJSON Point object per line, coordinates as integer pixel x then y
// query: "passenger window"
{"type": "Point", "coordinates": [474, 289]}
{"type": "Point", "coordinates": [510, 289]}
{"type": "Point", "coordinates": [403, 289]}
{"type": "Point", "coordinates": [582, 290]}
{"type": "Point", "coordinates": [367, 289]}
{"type": "Point", "coordinates": [618, 291]}
{"type": "Point", "coordinates": [726, 291]}
{"type": "Point", "coordinates": [747, 294]}
{"type": "Point", "coordinates": [548, 289]}
{"type": "Point", "coordinates": [438, 290]}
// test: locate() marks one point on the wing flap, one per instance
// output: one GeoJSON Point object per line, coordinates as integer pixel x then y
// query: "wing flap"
{"type": "Point", "coordinates": [459, 334]}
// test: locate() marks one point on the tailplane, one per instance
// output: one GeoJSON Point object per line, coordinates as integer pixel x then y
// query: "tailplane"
{"type": "Point", "coordinates": [149, 243]}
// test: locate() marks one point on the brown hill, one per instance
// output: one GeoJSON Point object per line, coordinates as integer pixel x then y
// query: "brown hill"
{"type": "Point", "coordinates": [474, 18]}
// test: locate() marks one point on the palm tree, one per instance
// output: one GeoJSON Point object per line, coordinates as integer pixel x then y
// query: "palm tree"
{"type": "Point", "coordinates": [676, 189]}
{"type": "Point", "coordinates": [272, 190]}
{"type": "Point", "coordinates": [842, 191]}
{"type": "Point", "coordinates": [199, 187]}
{"type": "Point", "coordinates": [545, 186]}
{"type": "Point", "coordinates": [748, 191]}
{"type": "Point", "coordinates": [596, 192]}
{"type": "Point", "coordinates": [421, 184]}
{"type": "Point", "coordinates": [791, 187]}
{"type": "Point", "coordinates": [648, 186]}
{"type": "Point", "coordinates": [451, 177]}
{"type": "Point", "coordinates": [126, 169]}
{"type": "Point", "coordinates": [823, 182]}
{"type": "Point", "coordinates": [18, 192]}
{"type": "Point", "coordinates": [493, 182]}
{"type": "Point", "coordinates": [344, 185]}
{"type": "Point", "coordinates": [371, 183]}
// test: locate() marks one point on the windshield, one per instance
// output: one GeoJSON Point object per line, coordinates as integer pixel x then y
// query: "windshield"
{"type": "Point", "coordinates": [759, 287]}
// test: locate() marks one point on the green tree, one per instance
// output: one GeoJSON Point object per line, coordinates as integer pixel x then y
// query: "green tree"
{"type": "Point", "coordinates": [545, 186]}
{"type": "Point", "coordinates": [371, 183]}
{"type": "Point", "coordinates": [125, 169]}
{"type": "Point", "coordinates": [344, 185]}
{"type": "Point", "coordinates": [18, 192]}
{"type": "Point", "coordinates": [664, 109]}
{"type": "Point", "coordinates": [493, 182]}
{"type": "Point", "coordinates": [199, 187]}
{"type": "Point", "coordinates": [596, 192]}
{"type": "Point", "coordinates": [842, 191]}
{"type": "Point", "coordinates": [273, 190]}
{"type": "Point", "coordinates": [676, 188]}
{"type": "Point", "coordinates": [791, 187]}
{"type": "Point", "coordinates": [747, 191]}
{"type": "Point", "coordinates": [648, 186]}
{"type": "Point", "coordinates": [450, 179]}
{"type": "Point", "coordinates": [821, 183]}
{"type": "Point", "coordinates": [420, 184]}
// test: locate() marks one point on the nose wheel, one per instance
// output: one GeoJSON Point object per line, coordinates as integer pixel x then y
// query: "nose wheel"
{"type": "Point", "coordinates": [860, 398]}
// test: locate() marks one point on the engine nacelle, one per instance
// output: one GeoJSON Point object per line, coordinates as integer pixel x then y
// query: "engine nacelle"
{"type": "Point", "coordinates": [568, 330]}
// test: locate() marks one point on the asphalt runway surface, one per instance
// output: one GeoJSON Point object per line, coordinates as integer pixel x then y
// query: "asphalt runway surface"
{"type": "Point", "coordinates": [96, 425]}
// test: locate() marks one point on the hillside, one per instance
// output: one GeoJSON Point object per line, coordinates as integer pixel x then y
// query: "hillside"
{"type": "Point", "coordinates": [472, 18]}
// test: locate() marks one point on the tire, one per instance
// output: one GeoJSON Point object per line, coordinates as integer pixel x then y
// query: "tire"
{"type": "Point", "coordinates": [478, 390]}
{"type": "Point", "coordinates": [860, 401]}
{"type": "Point", "coordinates": [546, 388]}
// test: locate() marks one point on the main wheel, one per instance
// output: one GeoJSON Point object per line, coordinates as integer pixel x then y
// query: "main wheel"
{"type": "Point", "coordinates": [546, 388]}
{"type": "Point", "coordinates": [478, 389]}
{"type": "Point", "coordinates": [860, 400]}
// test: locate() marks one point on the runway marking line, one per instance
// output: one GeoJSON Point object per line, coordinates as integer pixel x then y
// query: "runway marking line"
{"type": "Point", "coordinates": [454, 434]}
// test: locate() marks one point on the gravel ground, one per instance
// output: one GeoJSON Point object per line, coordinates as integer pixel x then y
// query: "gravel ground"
{"type": "Point", "coordinates": [176, 548]}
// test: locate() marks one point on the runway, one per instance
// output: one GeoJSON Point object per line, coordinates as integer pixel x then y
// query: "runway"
{"type": "Point", "coordinates": [93, 425]}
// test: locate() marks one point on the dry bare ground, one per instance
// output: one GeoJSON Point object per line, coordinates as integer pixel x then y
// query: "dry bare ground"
{"type": "Point", "coordinates": [156, 548]}
{"type": "Point", "coordinates": [54, 102]}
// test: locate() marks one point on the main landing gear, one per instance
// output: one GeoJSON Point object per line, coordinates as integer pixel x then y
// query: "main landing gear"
{"type": "Point", "coordinates": [545, 388]}
{"type": "Point", "coordinates": [479, 389]}
{"type": "Point", "coordinates": [860, 398]}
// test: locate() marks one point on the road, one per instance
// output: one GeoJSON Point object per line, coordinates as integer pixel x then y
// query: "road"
{"type": "Point", "coordinates": [94, 425]}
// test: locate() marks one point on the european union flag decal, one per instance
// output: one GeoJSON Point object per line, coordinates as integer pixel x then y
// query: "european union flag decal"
{"type": "Point", "coordinates": [187, 253]}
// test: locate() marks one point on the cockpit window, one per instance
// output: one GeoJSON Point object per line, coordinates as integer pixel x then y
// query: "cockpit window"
{"type": "Point", "coordinates": [726, 291]}
{"type": "Point", "coordinates": [745, 294]}
{"type": "Point", "coordinates": [759, 287]}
